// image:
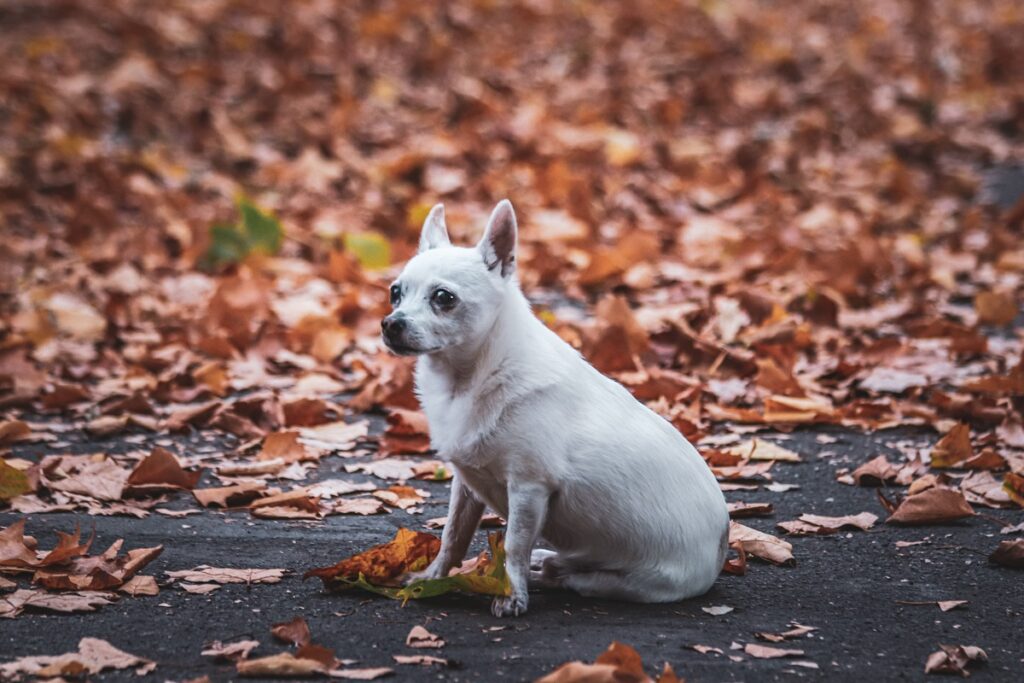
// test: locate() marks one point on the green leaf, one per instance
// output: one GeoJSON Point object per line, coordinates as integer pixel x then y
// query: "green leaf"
{"type": "Point", "coordinates": [371, 249]}
{"type": "Point", "coordinates": [487, 578]}
{"type": "Point", "coordinates": [262, 229]}
{"type": "Point", "coordinates": [227, 245]}
{"type": "Point", "coordinates": [13, 482]}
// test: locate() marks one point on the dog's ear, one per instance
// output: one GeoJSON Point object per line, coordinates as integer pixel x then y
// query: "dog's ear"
{"type": "Point", "coordinates": [498, 245]}
{"type": "Point", "coordinates": [435, 232]}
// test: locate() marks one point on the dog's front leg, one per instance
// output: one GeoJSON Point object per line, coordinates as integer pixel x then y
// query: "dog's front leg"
{"type": "Point", "coordinates": [527, 507]}
{"type": "Point", "coordinates": [464, 513]}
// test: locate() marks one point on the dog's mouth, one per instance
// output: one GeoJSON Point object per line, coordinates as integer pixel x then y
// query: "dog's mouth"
{"type": "Point", "coordinates": [400, 349]}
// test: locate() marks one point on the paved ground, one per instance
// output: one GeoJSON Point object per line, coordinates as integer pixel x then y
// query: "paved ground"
{"type": "Point", "coordinates": [847, 585]}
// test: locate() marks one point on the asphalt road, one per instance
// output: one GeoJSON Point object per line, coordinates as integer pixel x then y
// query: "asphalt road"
{"type": "Point", "coordinates": [847, 585]}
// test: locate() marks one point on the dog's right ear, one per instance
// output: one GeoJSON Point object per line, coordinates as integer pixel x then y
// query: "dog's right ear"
{"type": "Point", "coordinates": [435, 232]}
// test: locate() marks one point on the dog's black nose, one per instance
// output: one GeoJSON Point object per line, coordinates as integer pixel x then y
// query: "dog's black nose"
{"type": "Point", "coordinates": [391, 326]}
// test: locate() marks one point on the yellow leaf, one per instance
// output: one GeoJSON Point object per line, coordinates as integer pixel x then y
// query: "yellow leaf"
{"type": "Point", "coordinates": [371, 249]}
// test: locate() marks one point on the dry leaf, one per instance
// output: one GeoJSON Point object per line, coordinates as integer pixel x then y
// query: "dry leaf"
{"type": "Point", "coordinates": [1009, 554]}
{"type": "Point", "coordinates": [760, 544]}
{"type": "Point", "coordinates": [282, 665]}
{"type": "Point", "coordinates": [421, 637]}
{"type": "Point", "coordinates": [766, 652]}
{"type": "Point", "coordinates": [161, 471]}
{"type": "Point", "coordinates": [294, 632]}
{"type": "Point", "coordinates": [207, 574]}
{"type": "Point", "coordinates": [759, 449]}
{"type": "Point", "coordinates": [954, 659]}
{"type": "Point", "coordinates": [231, 652]}
{"type": "Point", "coordinates": [935, 505]}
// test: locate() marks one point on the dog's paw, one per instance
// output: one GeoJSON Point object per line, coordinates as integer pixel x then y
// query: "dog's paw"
{"type": "Point", "coordinates": [510, 606]}
{"type": "Point", "coordinates": [539, 556]}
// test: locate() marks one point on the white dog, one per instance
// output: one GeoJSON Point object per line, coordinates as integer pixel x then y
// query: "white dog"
{"type": "Point", "coordinates": [535, 432]}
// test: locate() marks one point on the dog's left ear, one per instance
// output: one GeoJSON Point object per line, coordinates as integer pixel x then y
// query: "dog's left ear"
{"type": "Point", "coordinates": [498, 245]}
{"type": "Point", "coordinates": [435, 231]}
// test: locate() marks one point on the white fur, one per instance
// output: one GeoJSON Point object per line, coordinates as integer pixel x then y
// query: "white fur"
{"type": "Point", "coordinates": [561, 451]}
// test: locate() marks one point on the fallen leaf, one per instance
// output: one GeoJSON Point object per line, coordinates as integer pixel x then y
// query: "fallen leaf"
{"type": "Point", "coordinates": [358, 506]}
{"type": "Point", "coordinates": [383, 564]}
{"type": "Point", "coordinates": [93, 656]}
{"type": "Point", "coordinates": [207, 574]}
{"type": "Point", "coordinates": [932, 506]}
{"type": "Point", "coordinates": [360, 674]}
{"type": "Point", "coordinates": [796, 631]}
{"type": "Point", "coordinates": [421, 660]}
{"type": "Point", "coordinates": [817, 524]}
{"type": "Point", "coordinates": [766, 652]}
{"type": "Point", "coordinates": [231, 652]}
{"type": "Point", "coordinates": [13, 482]}
{"type": "Point", "coordinates": [140, 585]}
{"type": "Point", "coordinates": [229, 496]}
{"type": "Point", "coordinates": [996, 308]}
{"type": "Point", "coordinates": [282, 665]}
{"type": "Point", "coordinates": [82, 601]}
{"type": "Point", "coordinates": [717, 610]}
{"type": "Point", "coordinates": [741, 510]}
{"type": "Point", "coordinates": [1009, 554]}
{"type": "Point", "coordinates": [294, 632]}
{"type": "Point", "coordinates": [161, 471]}
{"type": "Point", "coordinates": [954, 659]}
{"type": "Point", "coordinates": [421, 637]}
{"type": "Point", "coordinates": [759, 449]}
{"type": "Point", "coordinates": [954, 448]}
{"type": "Point", "coordinates": [760, 544]}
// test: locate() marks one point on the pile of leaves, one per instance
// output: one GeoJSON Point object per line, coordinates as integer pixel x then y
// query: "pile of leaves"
{"type": "Point", "coordinates": [385, 569]}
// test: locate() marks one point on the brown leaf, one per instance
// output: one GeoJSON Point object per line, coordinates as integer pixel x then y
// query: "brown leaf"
{"type": "Point", "coordinates": [282, 665]}
{"type": "Point", "coordinates": [230, 651]}
{"type": "Point", "coordinates": [161, 471]}
{"type": "Point", "coordinates": [817, 524]}
{"type": "Point", "coordinates": [932, 506]}
{"type": "Point", "coordinates": [86, 601]}
{"type": "Point", "coordinates": [760, 544]}
{"type": "Point", "coordinates": [93, 656]}
{"type": "Point", "coordinates": [294, 632]}
{"type": "Point", "coordinates": [284, 446]}
{"type": "Point", "coordinates": [358, 506]}
{"type": "Point", "coordinates": [740, 510]}
{"type": "Point", "coordinates": [759, 449]}
{"type": "Point", "coordinates": [12, 431]}
{"type": "Point", "coordinates": [229, 496]}
{"type": "Point", "coordinates": [207, 574]}
{"type": "Point", "coordinates": [408, 551]}
{"type": "Point", "coordinates": [766, 652]}
{"type": "Point", "coordinates": [402, 497]}
{"type": "Point", "coordinates": [17, 550]}
{"type": "Point", "coordinates": [421, 637]}
{"type": "Point", "coordinates": [996, 308]}
{"type": "Point", "coordinates": [102, 480]}
{"type": "Point", "coordinates": [422, 660]}
{"type": "Point", "coordinates": [360, 674]}
{"type": "Point", "coordinates": [1009, 554]}
{"type": "Point", "coordinates": [140, 585]}
{"type": "Point", "coordinates": [953, 448]}
{"type": "Point", "coordinates": [954, 659]}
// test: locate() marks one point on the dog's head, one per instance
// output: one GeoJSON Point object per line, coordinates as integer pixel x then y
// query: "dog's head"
{"type": "Point", "coordinates": [449, 296]}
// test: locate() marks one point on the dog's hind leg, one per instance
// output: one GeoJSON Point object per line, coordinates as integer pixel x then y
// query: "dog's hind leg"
{"type": "Point", "coordinates": [641, 585]}
{"type": "Point", "coordinates": [539, 556]}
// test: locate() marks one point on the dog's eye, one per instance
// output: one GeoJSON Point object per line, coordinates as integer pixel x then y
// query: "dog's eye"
{"type": "Point", "coordinates": [443, 298]}
{"type": "Point", "coordinates": [396, 295]}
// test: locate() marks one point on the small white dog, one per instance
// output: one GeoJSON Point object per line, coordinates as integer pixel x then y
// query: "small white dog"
{"type": "Point", "coordinates": [539, 435]}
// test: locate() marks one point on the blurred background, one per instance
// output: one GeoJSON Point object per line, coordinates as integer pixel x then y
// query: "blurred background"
{"type": "Point", "coordinates": [240, 177]}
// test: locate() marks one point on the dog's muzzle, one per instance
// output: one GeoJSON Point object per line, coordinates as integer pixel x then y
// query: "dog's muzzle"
{"type": "Point", "coordinates": [394, 329]}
